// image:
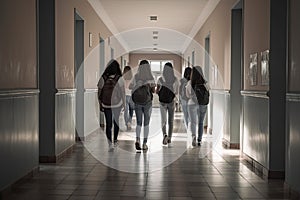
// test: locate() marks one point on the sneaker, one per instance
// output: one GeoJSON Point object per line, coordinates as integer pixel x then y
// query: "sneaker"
{"type": "Point", "coordinates": [199, 143]}
{"type": "Point", "coordinates": [137, 146]}
{"type": "Point", "coordinates": [128, 126]}
{"type": "Point", "coordinates": [194, 141]}
{"type": "Point", "coordinates": [116, 143]}
{"type": "Point", "coordinates": [145, 147]}
{"type": "Point", "coordinates": [169, 140]}
{"type": "Point", "coordinates": [165, 140]}
{"type": "Point", "coordinates": [110, 148]}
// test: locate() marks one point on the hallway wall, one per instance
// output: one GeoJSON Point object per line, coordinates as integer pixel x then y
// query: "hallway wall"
{"type": "Point", "coordinates": [19, 145]}
{"type": "Point", "coordinates": [90, 68]}
{"type": "Point", "coordinates": [218, 28]}
{"type": "Point", "coordinates": [256, 37]}
{"type": "Point", "coordinates": [293, 99]}
{"type": "Point", "coordinates": [18, 60]}
{"type": "Point", "coordinates": [255, 128]}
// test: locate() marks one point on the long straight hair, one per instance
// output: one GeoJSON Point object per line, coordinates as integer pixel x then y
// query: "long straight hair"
{"type": "Point", "coordinates": [144, 71]}
{"type": "Point", "coordinates": [197, 76]}
{"type": "Point", "coordinates": [168, 73]}
{"type": "Point", "coordinates": [187, 73]}
{"type": "Point", "coordinates": [112, 68]}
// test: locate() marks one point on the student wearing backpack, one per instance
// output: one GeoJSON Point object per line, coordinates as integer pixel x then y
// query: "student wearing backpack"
{"type": "Point", "coordinates": [143, 87]}
{"type": "Point", "coordinates": [111, 96]}
{"type": "Point", "coordinates": [182, 94]}
{"type": "Point", "coordinates": [128, 112]}
{"type": "Point", "coordinates": [197, 103]}
{"type": "Point", "coordinates": [167, 89]}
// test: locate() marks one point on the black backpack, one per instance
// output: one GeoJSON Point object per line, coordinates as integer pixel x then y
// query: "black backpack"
{"type": "Point", "coordinates": [111, 92]}
{"type": "Point", "coordinates": [182, 89]}
{"type": "Point", "coordinates": [141, 94]}
{"type": "Point", "coordinates": [166, 93]}
{"type": "Point", "coordinates": [201, 94]}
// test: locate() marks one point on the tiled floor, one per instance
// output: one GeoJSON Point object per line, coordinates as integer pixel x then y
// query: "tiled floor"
{"type": "Point", "coordinates": [176, 173]}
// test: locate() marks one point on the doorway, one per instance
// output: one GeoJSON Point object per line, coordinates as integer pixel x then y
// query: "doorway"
{"type": "Point", "coordinates": [79, 73]}
{"type": "Point", "coordinates": [208, 121]}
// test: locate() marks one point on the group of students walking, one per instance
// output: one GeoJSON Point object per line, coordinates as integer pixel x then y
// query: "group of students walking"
{"type": "Point", "coordinates": [117, 90]}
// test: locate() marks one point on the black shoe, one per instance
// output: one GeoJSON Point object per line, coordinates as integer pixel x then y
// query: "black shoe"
{"type": "Point", "coordinates": [199, 143]}
{"type": "Point", "coordinates": [165, 140]}
{"type": "Point", "coordinates": [194, 141]}
{"type": "Point", "coordinates": [137, 146]}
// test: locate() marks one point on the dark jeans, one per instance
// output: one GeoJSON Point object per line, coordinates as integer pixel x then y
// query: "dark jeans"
{"type": "Point", "coordinates": [112, 114]}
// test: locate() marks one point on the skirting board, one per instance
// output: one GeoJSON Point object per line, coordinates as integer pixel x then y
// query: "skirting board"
{"type": "Point", "coordinates": [266, 173]}
{"type": "Point", "coordinates": [7, 190]}
{"type": "Point", "coordinates": [226, 144]}
{"type": "Point", "coordinates": [56, 158]}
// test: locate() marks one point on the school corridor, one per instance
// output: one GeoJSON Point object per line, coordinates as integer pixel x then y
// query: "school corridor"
{"type": "Point", "coordinates": [52, 133]}
{"type": "Point", "coordinates": [177, 172]}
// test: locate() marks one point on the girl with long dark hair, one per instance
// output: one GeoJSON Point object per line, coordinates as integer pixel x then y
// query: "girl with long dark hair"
{"type": "Point", "coordinates": [167, 89]}
{"type": "Point", "coordinates": [111, 95]}
{"type": "Point", "coordinates": [196, 111]}
{"type": "Point", "coordinates": [143, 81]}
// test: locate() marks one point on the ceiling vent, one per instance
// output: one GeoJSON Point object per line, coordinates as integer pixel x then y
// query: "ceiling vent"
{"type": "Point", "coordinates": [153, 18]}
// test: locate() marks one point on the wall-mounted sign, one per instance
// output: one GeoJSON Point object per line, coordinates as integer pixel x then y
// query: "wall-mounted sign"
{"type": "Point", "coordinates": [253, 69]}
{"type": "Point", "coordinates": [265, 67]}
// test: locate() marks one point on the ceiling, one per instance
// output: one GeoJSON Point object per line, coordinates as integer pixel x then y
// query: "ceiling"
{"type": "Point", "coordinates": [177, 22]}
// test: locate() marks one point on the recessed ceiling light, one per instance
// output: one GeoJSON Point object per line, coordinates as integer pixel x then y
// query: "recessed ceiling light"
{"type": "Point", "coordinates": [154, 49]}
{"type": "Point", "coordinates": [155, 37]}
{"type": "Point", "coordinates": [153, 18]}
{"type": "Point", "coordinates": [155, 32]}
{"type": "Point", "coordinates": [154, 44]}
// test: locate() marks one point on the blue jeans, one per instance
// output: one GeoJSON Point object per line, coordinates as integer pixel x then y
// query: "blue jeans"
{"type": "Point", "coordinates": [184, 107]}
{"type": "Point", "coordinates": [112, 114]}
{"type": "Point", "coordinates": [129, 107]}
{"type": "Point", "coordinates": [164, 108]}
{"type": "Point", "coordinates": [197, 115]}
{"type": "Point", "coordinates": [143, 113]}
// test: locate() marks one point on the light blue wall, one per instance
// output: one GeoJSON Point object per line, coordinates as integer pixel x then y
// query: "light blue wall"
{"type": "Point", "coordinates": [219, 120]}
{"type": "Point", "coordinates": [255, 138]}
{"type": "Point", "coordinates": [64, 120]}
{"type": "Point", "coordinates": [19, 144]}
{"type": "Point", "coordinates": [91, 111]}
{"type": "Point", "coordinates": [293, 142]}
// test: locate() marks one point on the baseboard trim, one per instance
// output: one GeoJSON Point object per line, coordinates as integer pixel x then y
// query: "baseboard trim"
{"type": "Point", "coordinates": [294, 194]}
{"type": "Point", "coordinates": [89, 136]}
{"type": "Point", "coordinates": [56, 158]}
{"type": "Point", "coordinates": [226, 144]}
{"type": "Point", "coordinates": [4, 193]}
{"type": "Point", "coordinates": [263, 171]}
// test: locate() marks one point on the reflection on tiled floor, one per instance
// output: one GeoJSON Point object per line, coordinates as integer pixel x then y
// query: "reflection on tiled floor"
{"type": "Point", "coordinates": [176, 173]}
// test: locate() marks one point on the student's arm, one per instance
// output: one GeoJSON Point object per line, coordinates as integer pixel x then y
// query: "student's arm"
{"type": "Point", "coordinates": [122, 86]}
{"type": "Point", "coordinates": [158, 86]}
{"type": "Point", "coordinates": [188, 88]}
{"type": "Point", "coordinates": [100, 86]}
